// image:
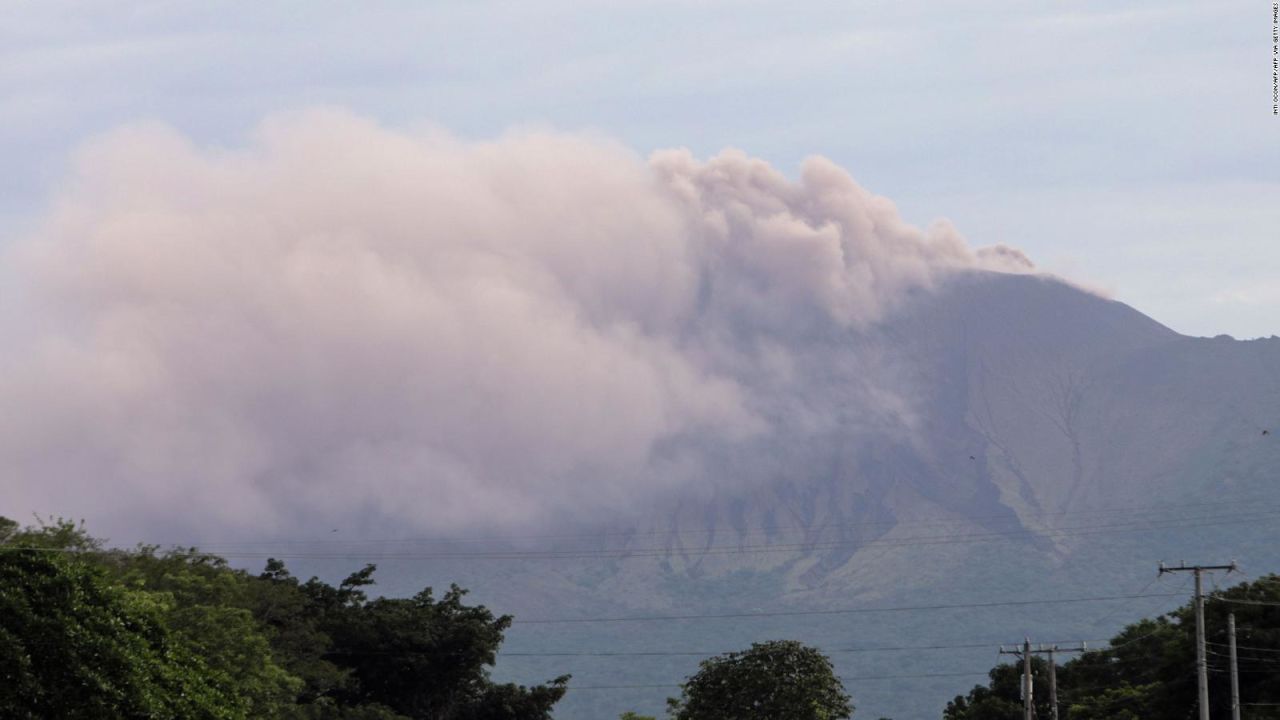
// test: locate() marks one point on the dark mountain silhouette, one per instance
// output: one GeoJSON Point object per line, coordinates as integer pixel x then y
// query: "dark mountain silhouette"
{"type": "Point", "coordinates": [1005, 436]}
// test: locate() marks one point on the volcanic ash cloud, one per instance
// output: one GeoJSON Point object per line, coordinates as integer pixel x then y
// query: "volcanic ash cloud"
{"type": "Point", "coordinates": [342, 321]}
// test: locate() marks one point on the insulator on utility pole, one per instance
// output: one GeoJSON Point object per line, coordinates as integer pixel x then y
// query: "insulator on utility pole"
{"type": "Point", "coordinates": [1028, 688]}
{"type": "Point", "coordinates": [1202, 664]}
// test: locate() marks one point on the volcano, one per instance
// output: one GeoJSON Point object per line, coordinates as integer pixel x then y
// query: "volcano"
{"type": "Point", "coordinates": [1048, 444]}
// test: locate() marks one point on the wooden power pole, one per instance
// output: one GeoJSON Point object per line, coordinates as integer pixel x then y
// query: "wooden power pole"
{"type": "Point", "coordinates": [1028, 701]}
{"type": "Point", "coordinates": [1202, 665]}
{"type": "Point", "coordinates": [1235, 674]}
{"type": "Point", "coordinates": [1053, 675]}
{"type": "Point", "coordinates": [1025, 652]}
{"type": "Point", "coordinates": [1028, 705]}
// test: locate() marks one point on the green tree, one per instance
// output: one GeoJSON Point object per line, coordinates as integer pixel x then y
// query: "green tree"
{"type": "Point", "coordinates": [423, 657]}
{"type": "Point", "coordinates": [292, 620]}
{"type": "Point", "coordinates": [51, 534]}
{"type": "Point", "coordinates": [206, 608]}
{"type": "Point", "coordinates": [1001, 697]}
{"type": "Point", "coordinates": [180, 633]}
{"type": "Point", "coordinates": [515, 702]}
{"type": "Point", "coordinates": [777, 680]}
{"type": "Point", "coordinates": [72, 645]}
{"type": "Point", "coordinates": [1148, 669]}
{"type": "Point", "coordinates": [1145, 673]}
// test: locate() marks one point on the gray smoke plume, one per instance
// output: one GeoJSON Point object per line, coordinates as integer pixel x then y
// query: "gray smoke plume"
{"type": "Point", "coordinates": [342, 321]}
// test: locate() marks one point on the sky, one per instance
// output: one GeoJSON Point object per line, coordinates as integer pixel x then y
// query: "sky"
{"type": "Point", "coordinates": [1129, 146]}
{"type": "Point", "coordinates": [316, 262]}
{"type": "Point", "coordinates": [271, 269]}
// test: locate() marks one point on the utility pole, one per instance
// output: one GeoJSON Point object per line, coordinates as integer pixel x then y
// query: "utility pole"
{"type": "Point", "coordinates": [1028, 700]}
{"type": "Point", "coordinates": [1053, 686]}
{"type": "Point", "coordinates": [1202, 666]}
{"type": "Point", "coordinates": [1235, 675]}
{"type": "Point", "coordinates": [1053, 674]}
{"type": "Point", "coordinates": [1028, 707]}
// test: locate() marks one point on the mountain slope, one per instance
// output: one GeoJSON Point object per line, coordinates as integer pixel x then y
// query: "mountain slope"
{"type": "Point", "coordinates": [1004, 436]}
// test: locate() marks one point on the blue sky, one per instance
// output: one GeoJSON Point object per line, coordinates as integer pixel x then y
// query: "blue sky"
{"type": "Point", "coordinates": [1130, 146]}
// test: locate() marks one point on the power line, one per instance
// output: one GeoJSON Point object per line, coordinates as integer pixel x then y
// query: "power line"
{"type": "Point", "coordinates": [692, 653]}
{"type": "Point", "coordinates": [1234, 601]}
{"type": "Point", "coordinates": [1202, 679]}
{"type": "Point", "coordinates": [1131, 641]}
{"type": "Point", "coordinates": [1155, 523]}
{"type": "Point", "coordinates": [848, 611]}
{"type": "Point", "coordinates": [853, 678]}
{"type": "Point", "coordinates": [1247, 647]}
{"type": "Point", "coordinates": [1125, 510]}
{"type": "Point", "coordinates": [1119, 608]}
{"type": "Point", "coordinates": [652, 552]}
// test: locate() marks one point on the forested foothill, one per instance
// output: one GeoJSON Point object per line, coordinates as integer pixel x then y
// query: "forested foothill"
{"type": "Point", "coordinates": [1148, 670]}
{"type": "Point", "coordinates": [90, 632]}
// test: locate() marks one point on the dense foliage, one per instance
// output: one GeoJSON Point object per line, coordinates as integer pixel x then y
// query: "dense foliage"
{"type": "Point", "coordinates": [73, 645]}
{"type": "Point", "coordinates": [87, 632]}
{"type": "Point", "coordinates": [778, 680]}
{"type": "Point", "coordinates": [1148, 670]}
{"type": "Point", "coordinates": [90, 633]}
{"type": "Point", "coordinates": [1001, 698]}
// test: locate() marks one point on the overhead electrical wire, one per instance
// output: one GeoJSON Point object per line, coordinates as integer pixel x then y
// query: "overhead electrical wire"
{"type": "Point", "coordinates": [846, 611]}
{"type": "Point", "coordinates": [667, 551]}
{"type": "Point", "coordinates": [704, 653]}
{"type": "Point", "coordinates": [1233, 601]}
{"type": "Point", "coordinates": [1129, 511]}
{"type": "Point", "coordinates": [850, 678]}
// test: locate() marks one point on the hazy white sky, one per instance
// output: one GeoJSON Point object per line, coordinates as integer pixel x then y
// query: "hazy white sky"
{"type": "Point", "coordinates": [1128, 145]}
